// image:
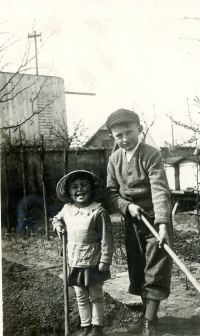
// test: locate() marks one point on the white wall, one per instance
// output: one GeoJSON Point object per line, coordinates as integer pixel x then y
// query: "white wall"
{"type": "Point", "coordinates": [188, 175]}
{"type": "Point", "coordinates": [170, 176]}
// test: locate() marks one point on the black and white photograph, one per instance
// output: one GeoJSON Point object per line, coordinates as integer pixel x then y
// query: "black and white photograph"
{"type": "Point", "coordinates": [100, 167]}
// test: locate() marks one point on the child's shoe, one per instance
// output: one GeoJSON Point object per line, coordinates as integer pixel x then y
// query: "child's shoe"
{"type": "Point", "coordinates": [149, 328]}
{"type": "Point", "coordinates": [96, 331]}
{"type": "Point", "coordinates": [84, 331]}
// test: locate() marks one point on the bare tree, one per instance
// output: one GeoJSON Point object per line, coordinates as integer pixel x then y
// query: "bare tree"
{"type": "Point", "coordinates": [76, 138]}
{"type": "Point", "coordinates": [13, 85]}
{"type": "Point", "coordinates": [193, 126]}
{"type": "Point", "coordinates": [147, 125]}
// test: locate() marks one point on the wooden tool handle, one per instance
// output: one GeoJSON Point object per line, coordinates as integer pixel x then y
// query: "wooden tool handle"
{"type": "Point", "coordinates": [66, 297]}
{"type": "Point", "coordinates": [174, 256]}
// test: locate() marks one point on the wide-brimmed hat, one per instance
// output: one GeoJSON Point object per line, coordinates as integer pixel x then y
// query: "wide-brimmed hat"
{"type": "Point", "coordinates": [61, 185]}
{"type": "Point", "coordinates": [120, 116]}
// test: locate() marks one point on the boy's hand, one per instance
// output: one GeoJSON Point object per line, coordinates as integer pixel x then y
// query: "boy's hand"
{"type": "Point", "coordinates": [164, 236]}
{"type": "Point", "coordinates": [135, 211]}
{"type": "Point", "coordinates": [104, 267]}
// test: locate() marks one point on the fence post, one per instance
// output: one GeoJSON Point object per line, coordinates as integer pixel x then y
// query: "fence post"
{"type": "Point", "coordinates": [43, 187]}
{"type": "Point", "coordinates": [24, 191]}
{"type": "Point", "coordinates": [7, 193]}
{"type": "Point", "coordinates": [65, 159]}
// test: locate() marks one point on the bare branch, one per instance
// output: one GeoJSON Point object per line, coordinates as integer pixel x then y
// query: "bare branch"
{"type": "Point", "coordinates": [10, 92]}
{"type": "Point", "coordinates": [187, 18]}
{"type": "Point", "coordinates": [6, 45]}
{"type": "Point", "coordinates": [147, 126]}
{"type": "Point", "coordinates": [186, 126]}
{"type": "Point", "coordinates": [16, 126]}
{"type": "Point", "coordinates": [17, 93]}
{"type": "Point", "coordinates": [189, 38]}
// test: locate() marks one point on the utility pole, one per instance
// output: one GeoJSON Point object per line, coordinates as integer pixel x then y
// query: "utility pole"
{"type": "Point", "coordinates": [35, 38]}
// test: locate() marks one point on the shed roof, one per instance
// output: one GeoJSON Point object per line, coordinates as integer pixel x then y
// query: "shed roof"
{"type": "Point", "coordinates": [149, 140]}
{"type": "Point", "coordinates": [174, 160]}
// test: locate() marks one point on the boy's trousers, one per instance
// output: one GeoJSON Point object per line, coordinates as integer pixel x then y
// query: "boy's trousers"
{"type": "Point", "coordinates": [90, 304]}
{"type": "Point", "coordinates": [150, 270]}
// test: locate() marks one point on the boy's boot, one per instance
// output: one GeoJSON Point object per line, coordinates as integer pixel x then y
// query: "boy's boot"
{"type": "Point", "coordinates": [84, 331]}
{"type": "Point", "coordinates": [137, 327]}
{"type": "Point", "coordinates": [149, 328]}
{"type": "Point", "coordinates": [96, 331]}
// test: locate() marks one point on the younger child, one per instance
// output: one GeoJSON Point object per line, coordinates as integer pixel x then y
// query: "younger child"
{"type": "Point", "coordinates": [136, 184]}
{"type": "Point", "coordinates": [90, 245]}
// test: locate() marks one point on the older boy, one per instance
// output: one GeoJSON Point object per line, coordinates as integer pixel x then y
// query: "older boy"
{"type": "Point", "coordinates": [136, 184]}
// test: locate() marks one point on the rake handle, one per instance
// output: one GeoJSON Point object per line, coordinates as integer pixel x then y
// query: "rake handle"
{"type": "Point", "coordinates": [66, 296]}
{"type": "Point", "coordinates": [173, 255]}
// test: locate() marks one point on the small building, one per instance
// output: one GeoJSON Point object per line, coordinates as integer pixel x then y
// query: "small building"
{"type": "Point", "coordinates": [102, 139]}
{"type": "Point", "coordinates": [182, 172]}
{"type": "Point", "coordinates": [33, 123]}
{"type": "Point", "coordinates": [177, 151]}
{"type": "Point", "coordinates": [35, 103]}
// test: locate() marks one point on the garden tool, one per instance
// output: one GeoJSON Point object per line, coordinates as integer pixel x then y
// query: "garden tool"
{"type": "Point", "coordinates": [173, 255]}
{"type": "Point", "coordinates": [66, 294]}
{"type": "Point", "coordinates": [138, 238]}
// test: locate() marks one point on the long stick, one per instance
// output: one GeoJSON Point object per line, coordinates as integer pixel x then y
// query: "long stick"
{"type": "Point", "coordinates": [7, 193]}
{"type": "Point", "coordinates": [173, 255]}
{"type": "Point", "coordinates": [138, 238]}
{"type": "Point", "coordinates": [65, 159]}
{"type": "Point", "coordinates": [24, 191]}
{"type": "Point", "coordinates": [43, 188]}
{"type": "Point", "coordinates": [66, 297]}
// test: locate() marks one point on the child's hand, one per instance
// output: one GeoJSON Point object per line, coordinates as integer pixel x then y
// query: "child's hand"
{"type": "Point", "coordinates": [164, 236]}
{"type": "Point", "coordinates": [104, 267]}
{"type": "Point", "coordinates": [59, 230]}
{"type": "Point", "coordinates": [135, 211]}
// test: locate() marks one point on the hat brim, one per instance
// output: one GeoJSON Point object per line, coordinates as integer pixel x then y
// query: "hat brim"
{"type": "Point", "coordinates": [60, 188]}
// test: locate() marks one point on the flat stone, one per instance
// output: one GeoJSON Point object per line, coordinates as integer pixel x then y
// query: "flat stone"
{"type": "Point", "coordinates": [118, 289]}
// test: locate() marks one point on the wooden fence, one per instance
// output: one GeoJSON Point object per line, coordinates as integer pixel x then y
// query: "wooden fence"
{"type": "Point", "coordinates": [29, 172]}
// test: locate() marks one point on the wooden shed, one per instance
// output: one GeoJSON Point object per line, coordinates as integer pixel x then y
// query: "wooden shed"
{"type": "Point", "coordinates": [38, 99]}
{"type": "Point", "coordinates": [102, 139]}
{"type": "Point", "coordinates": [182, 172]}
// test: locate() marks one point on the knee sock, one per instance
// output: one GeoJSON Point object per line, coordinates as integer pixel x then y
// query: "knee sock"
{"type": "Point", "coordinates": [152, 307]}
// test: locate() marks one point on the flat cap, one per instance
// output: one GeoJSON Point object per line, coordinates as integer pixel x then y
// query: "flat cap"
{"type": "Point", "coordinates": [120, 116]}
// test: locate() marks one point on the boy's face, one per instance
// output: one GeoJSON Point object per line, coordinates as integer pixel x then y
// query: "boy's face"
{"type": "Point", "coordinates": [126, 135]}
{"type": "Point", "coordinates": [81, 191]}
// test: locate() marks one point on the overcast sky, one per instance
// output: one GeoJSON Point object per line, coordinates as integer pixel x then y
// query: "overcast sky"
{"type": "Point", "coordinates": [131, 53]}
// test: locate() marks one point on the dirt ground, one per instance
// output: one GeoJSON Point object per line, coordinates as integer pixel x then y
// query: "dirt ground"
{"type": "Point", "coordinates": [33, 301]}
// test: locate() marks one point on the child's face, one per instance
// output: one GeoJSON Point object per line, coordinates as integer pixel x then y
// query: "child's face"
{"type": "Point", "coordinates": [81, 191]}
{"type": "Point", "coordinates": [126, 135]}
